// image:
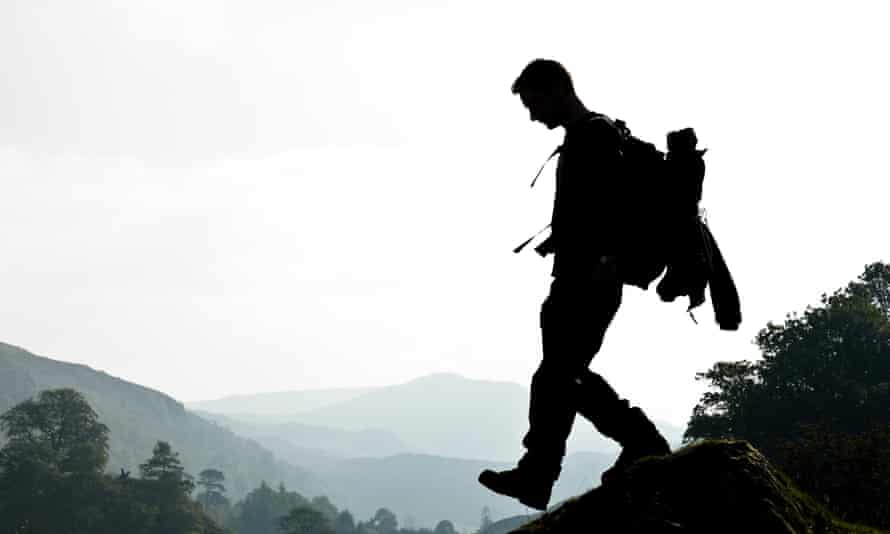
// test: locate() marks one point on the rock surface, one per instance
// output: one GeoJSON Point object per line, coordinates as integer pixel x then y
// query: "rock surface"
{"type": "Point", "coordinates": [710, 487]}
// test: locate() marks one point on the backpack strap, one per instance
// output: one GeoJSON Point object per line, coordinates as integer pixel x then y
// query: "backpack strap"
{"type": "Point", "coordinates": [518, 249]}
{"type": "Point", "coordinates": [556, 151]}
{"type": "Point", "coordinates": [591, 117]}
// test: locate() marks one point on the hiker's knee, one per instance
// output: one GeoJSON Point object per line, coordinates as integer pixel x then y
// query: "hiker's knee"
{"type": "Point", "coordinates": [559, 373]}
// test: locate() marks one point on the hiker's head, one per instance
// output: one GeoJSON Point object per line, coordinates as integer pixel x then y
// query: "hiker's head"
{"type": "Point", "coordinates": [545, 88]}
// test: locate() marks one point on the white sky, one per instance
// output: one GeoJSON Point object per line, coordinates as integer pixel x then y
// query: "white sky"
{"type": "Point", "coordinates": [219, 197]}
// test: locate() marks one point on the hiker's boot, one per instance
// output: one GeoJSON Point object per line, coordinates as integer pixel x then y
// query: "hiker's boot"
{"type": "Point", "coordinates": [640, 438]}
{"type": "Point", "coordinates": [532, 490]}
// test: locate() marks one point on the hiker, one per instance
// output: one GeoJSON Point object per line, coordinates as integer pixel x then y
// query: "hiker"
{"type": "Point", "coordinates": [585, 294]}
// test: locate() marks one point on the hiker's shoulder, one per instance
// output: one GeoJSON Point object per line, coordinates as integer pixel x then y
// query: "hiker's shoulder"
{"type": "Point", "coordinates": [597, 127]}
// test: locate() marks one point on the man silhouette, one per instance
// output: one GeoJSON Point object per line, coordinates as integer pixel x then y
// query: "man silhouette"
{"type": "Point", "coordinates": [585, 294]}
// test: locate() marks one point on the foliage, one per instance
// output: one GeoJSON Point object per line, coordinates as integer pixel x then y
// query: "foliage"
{"type": "Point", "coordinates": [164, 466]}
{"type": "Point", "coordinates": [305, 520]}
{"type": "Point", "coordinates": [138, 417]}
{"type": "Point", "coordinates": [819, 400]}
{"type": "Point", "coordinates": [851, 472]}
{"type": "Point", "coordinates": [260, 510]}
{"type": "Point", "coordinates": [344, 523]}
{"type": "Point", "coordinates": [51, 478]}
{"type": "Point", "coordinates": [212, 498]}
{"type": "Point", "coordinates": [444, 527]}
{"type": "Point", "coordinates": [212, 481]}
{"type": "Point", "coordinates": [61, 428]}
{"type": "Point", "coordinates": [384, 522]}
{"type": "Point", "coordinates": [268, 511]}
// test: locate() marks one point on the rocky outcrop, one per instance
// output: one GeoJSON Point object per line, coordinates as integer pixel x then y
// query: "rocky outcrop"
{"type": "Point", "coordinates": [710, 487]}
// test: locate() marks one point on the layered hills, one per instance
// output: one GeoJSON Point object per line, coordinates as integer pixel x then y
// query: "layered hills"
{"type": "Point", "coordinates": [440, 414]}
{"type": "Point", "coordinates": [385, 462]}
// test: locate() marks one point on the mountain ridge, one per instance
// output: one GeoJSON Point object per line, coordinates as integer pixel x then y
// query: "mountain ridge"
{"type": "Point", "coordinates": [445, 414]}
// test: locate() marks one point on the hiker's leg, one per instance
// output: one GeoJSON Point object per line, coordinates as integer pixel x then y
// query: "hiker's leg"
{"type": "Point", "coordinates": [574, 319]}
{"type": "Point", "coordinates": [612, 416]}
{"type": "Point", "coordinates": [616, 419]}
{"type": "Point", "coordinates": [599, 403]}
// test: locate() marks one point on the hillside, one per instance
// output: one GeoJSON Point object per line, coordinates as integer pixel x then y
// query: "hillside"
{"type": "Point", "coordinates": [138, 417]}
{"type": "Point", "coordinates": [298, 441]}
{"type": "Point", "coordinates": [274, 405]}
{"type": "Point", "coordinates": [339, 463]}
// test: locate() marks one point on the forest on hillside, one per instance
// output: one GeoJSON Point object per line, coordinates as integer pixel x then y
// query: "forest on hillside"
{"type": "Point", "coordinates": [53, 479]}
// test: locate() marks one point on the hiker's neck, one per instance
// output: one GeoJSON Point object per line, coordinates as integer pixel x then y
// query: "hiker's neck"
{"type": "Point", "coordinates": [575, 111]}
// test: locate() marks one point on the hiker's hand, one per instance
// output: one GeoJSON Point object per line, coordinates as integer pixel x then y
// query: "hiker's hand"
{"type": "Point", "coordinates": [545, 247]}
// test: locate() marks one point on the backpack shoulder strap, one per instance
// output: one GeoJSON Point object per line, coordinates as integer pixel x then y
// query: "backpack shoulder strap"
{"type": "Point", "coordinates": [556, 151]}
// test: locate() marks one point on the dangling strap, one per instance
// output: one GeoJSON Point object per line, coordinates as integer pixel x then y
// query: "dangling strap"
{"type": "Point", "coordinates": [555, 152]}
{"type": "Point", "coordinates": [518, 249]}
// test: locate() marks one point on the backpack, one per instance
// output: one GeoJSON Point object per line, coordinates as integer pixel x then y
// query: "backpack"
{"type": "Point", "coordinates": [662, 191]}
{"type": "Point", "coordinates": [664, 232]}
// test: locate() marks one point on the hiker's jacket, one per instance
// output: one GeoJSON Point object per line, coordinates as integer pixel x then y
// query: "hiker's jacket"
{"type": "Point", "coordinates": [695, 264]}
{"type": "Point", "coordinates": [587, 206]}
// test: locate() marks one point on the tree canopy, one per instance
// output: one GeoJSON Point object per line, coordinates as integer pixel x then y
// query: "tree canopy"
{"type": "Point", "coordinates": [52, 480]}
{"type": "Point", "coordinates": [829, 366]}
{"type": "Point", "coordinates": [818, 402]}
{"type": "Point", "coordinates": [61, 428]}
{"type": "Point", "coordinates": [305, 520]}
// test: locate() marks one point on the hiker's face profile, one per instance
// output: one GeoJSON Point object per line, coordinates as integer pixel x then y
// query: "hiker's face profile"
{"type": "Point", "coordinates": [542, 107]}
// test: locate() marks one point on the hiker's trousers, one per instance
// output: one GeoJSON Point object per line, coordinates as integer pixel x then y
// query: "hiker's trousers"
{"type": "Point", "coordinates": [574, 319]}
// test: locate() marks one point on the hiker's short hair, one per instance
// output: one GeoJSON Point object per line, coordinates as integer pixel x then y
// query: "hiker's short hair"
{"type": "Point", "coordinates": [543, 75]}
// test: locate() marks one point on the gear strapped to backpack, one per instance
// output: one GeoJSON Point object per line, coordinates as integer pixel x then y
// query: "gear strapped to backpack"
{"type": "Point", "coordinates": [664, 190]}
{"type": "Point", "coordinates": [665, 231]}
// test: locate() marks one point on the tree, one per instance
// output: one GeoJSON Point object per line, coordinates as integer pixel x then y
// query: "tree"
{"type": "Point", "coordinates": [344, 523]}
{"type": "Point", "coordinates": [166, 486]}
{"type": "Point", "coordinates": [324, 505]}
{"type": "Point", "coordinates": [385, 522]}
{"type": "Point", "coordinates": [485, 522]}
{"type": "Point", "coordinates": [212, 481]}
{"type": "Point", "coordinates": [305, 520]}
{"type": "Point", "coordinates": [829, 366]}
{"type": "Point", "coordinates": [51, 478]}
{"type": "Point", "coordinates": [51, 466]}
{"type": "Point", "coordinates": [212, 499]}
{"type": "Point", "coordinates": [818, 402]}
{"type": "Point", "coordinates": [63, 427]}
{"type": "Point", "coordinates": [164, 465]}
{"type": "Point", "coordinates": [444, 527]}
{"type": "Point", "coordinates": [260, 510]}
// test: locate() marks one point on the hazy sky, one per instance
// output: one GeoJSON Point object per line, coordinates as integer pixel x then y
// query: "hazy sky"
{"type": "Point", "coordinates": [219, 197]}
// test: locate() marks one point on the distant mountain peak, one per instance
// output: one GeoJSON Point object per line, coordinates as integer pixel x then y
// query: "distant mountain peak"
{"type": "Point", "coordinates": [450, 378]}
